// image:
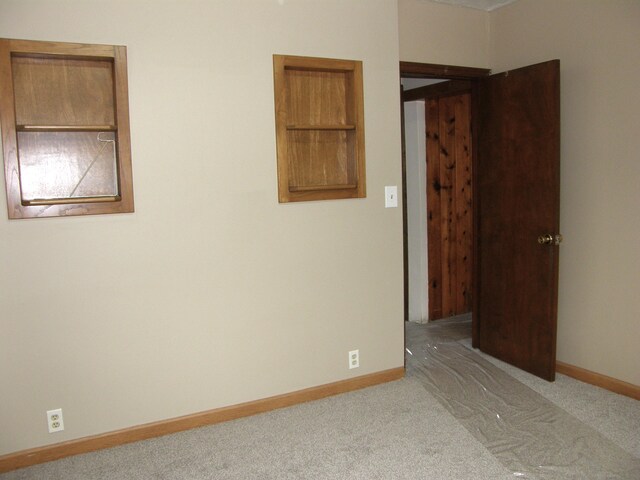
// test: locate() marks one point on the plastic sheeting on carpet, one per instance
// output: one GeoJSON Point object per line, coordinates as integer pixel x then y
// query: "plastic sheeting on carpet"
{"type": "Point", "coordinates": [527, 433]}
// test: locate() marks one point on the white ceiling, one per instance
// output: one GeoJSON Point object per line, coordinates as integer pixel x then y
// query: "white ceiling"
{"type": "Point", "coordinates": [486, 5]}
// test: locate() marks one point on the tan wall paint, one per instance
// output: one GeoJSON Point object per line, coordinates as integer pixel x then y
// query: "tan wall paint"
{"type": "Point", "coordinates": [211, 293]}
{"type": "Point", "coordinates": [596, 42]}
{"type": "Point", "coordinates": [432, 32]}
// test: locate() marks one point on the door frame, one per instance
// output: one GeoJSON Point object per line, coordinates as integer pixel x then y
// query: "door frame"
{"type": "Point", "coordinates": [449, 72]}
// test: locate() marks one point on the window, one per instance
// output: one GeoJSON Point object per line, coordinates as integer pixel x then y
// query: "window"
{"type": "Point", "coordinates": [319, 128]}
{"type": "Point", "coordinates": [65, 128]}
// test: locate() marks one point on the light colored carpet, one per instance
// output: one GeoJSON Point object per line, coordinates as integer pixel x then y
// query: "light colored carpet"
{"type": "Point", "coordinates": [615, 416]}
{"type": "Point", "coordinates": [528, 433]}
{"type": "Point", "coordinates": [392, 431]}
{"type": "Point", "coordinates": [400, 430]}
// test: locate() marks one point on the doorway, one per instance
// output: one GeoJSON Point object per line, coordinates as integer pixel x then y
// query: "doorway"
{"type": "Point", "coordinates": [515, 131]}
{"type": "Point", "coordinates": [438, 238]}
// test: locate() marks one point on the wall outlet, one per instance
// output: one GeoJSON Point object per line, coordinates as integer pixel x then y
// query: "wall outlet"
{"type": "Point", "coordinates": [54, 420]}
{"type": "Point", "coordinates": [354, 359]}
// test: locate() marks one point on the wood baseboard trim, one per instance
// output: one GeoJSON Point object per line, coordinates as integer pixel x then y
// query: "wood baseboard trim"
{"type": "Point", "coordinates": [599, 380]}
{"type": "Point", "coordinates": [33, 456]}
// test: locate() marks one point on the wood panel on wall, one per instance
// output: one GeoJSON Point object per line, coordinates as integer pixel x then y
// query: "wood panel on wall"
{"type": "Point", "coordinates": [449, 204]}
{"type": "Point", "coordinates": [434, 226]}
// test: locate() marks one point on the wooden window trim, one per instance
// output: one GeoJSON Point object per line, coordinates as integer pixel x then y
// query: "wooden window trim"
{"type": "Point", "coordinates": [19, 208]}
{"type": "Point", "coordinates": [349, 130]}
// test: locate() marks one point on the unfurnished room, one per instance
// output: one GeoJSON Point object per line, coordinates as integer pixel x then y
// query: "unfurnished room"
{"type": "Point", "coordinates": [319, 239]}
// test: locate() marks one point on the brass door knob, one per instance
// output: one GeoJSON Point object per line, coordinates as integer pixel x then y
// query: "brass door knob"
{"type": "Point", "coordinates": [548, 239]}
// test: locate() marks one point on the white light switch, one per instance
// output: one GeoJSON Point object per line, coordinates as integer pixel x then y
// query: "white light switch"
{"type": "Point", "coordinates": [390, 196]}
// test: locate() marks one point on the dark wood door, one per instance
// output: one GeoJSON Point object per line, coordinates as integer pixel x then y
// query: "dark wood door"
{"type": "Point", "coordinates": [518, 195]}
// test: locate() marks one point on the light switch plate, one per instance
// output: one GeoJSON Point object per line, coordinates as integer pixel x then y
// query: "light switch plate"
{"type": "Point", "coordinates": [390, 196]}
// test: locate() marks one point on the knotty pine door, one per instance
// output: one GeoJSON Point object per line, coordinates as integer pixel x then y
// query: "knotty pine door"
{"type": "Point", "coordinates": [449, 204]}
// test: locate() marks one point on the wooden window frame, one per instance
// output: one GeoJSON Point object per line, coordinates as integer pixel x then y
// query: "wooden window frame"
{"type": "Point", "coordinates": [17, 206]}
{"type": "Point", "coordinates": [343, 132]}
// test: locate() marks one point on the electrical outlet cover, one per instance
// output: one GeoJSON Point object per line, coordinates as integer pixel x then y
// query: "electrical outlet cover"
{"type": "Point", "coordinates": [54, 420]}
{"type": "Point", "coordinates": [354, 359]}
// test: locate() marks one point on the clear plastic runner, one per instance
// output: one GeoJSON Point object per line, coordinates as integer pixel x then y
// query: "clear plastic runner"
{"type": "Point", "coordinates": [527, 433]}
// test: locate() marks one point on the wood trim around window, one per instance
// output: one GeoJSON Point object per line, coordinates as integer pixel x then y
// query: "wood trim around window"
{"type": "Point", "coordinates": [120, 198]}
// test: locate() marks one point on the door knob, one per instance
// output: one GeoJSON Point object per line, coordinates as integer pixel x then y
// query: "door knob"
{"type": "Point", "coordinates": [549, 239]}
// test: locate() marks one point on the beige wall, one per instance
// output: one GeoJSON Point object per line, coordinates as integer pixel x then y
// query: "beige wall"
{"type": "Point", "coordinates": [211, 293]}
{"type": "Point", "coordinates": [433, 32]}
{"type": "Point", "coordinates": [597, 44]}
